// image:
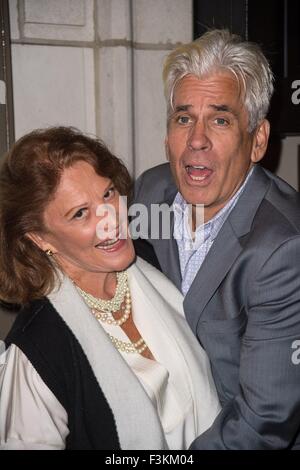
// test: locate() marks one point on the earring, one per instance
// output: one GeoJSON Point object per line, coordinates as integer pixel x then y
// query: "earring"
{"type": "Point", "coordinates": [49, 253]}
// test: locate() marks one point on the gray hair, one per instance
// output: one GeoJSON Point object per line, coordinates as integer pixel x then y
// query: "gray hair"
{"type": "Point", "coordinates": [219, 50]}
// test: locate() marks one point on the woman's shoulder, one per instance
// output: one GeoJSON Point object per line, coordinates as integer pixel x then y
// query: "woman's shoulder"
{"type": "Point", "coordinates": [38, 328]}
{"type": "Point", "coordinates": [30, 316]}
{"type": "Point", "coordinates": [46, 341]}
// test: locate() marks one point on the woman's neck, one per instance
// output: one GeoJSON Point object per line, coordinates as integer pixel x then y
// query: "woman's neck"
{"type": "Point", "coordinates": [101, 285]}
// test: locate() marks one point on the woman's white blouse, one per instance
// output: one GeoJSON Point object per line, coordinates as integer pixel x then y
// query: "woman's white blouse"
{"type": "Point", "coordinates": [31, 417]}
{"type": "Point", "coordinates": [28, 408]}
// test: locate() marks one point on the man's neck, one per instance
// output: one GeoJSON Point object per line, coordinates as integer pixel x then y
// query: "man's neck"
{"type": "Point", "coordinates": [203, 214]}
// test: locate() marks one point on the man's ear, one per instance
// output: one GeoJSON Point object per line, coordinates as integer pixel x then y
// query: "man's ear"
{"type": "Point", "coordinates": [260, 141]}
{"type": "Point", "coordinates": [38, 240]}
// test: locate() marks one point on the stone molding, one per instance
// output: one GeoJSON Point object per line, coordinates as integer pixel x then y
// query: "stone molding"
{"type": "Point", "coordinates": [64, 20]}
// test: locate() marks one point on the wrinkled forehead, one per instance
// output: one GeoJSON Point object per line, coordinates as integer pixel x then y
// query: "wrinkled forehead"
{"type": "Point", "coordinates": [78, 184]}
{"type": "Point", "coordinates": [221, 85]}
{"type": "Point", "coordinates": [221, 91]}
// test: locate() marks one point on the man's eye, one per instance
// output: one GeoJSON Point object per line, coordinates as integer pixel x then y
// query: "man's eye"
{"type": "Point", "coordinates": [221, 121]}
{"type": "Point", "coordinates": [80, 214]}
{"type": "Point", "coordinates": [109, 193]}
{"type": "Point", "coordinates": [183, 119]}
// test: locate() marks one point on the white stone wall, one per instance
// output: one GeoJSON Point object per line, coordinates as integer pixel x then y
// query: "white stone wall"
{"type": "Point", "coordinates": [2, 92]}
{"type": "Point", "coordinates": [96, 65]}
{"type": "Point", "coordinates": [53, 63]}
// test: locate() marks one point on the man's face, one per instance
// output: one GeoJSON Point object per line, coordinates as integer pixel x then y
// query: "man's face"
{"type": "Point", "coordinates": [208, 144]}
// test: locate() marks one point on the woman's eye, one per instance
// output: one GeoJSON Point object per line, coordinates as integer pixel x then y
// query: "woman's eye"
{"type": "Point", "coordinates": [80, 214]}
{"type": "Point", "coordinates": [109, 193]}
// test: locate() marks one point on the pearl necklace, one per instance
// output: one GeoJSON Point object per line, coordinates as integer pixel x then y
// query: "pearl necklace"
{"type": "Point", "coordinates": [129, 347]}
{"type": "Point", "coordinates": [112, 305]}
{"type": "Point", "coordinates": [107, 316]}
{"type": "Point", "coordinates": [103, 309]}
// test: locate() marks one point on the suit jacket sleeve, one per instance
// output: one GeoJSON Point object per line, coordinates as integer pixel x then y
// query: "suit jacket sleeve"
{"type": "Point", "coordinates": [266, 412]}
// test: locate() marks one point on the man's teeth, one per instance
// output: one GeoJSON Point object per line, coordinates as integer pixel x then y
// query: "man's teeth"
{"type": "Point", "coordinates": [198, 167]}
{"type": "Point", "coordinates": [198, 178]}
{"type": "Point", "coordinates": [190, 168]}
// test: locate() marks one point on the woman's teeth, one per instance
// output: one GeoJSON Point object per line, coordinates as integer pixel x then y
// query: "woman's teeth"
{"type": "Point", "coordinates": [107, 244]}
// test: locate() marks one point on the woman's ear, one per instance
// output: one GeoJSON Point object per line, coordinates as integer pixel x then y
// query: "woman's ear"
{"type": "Point", "coordinates": [40, 242]}
{"type": "Point", "coordinates": [260, 142]}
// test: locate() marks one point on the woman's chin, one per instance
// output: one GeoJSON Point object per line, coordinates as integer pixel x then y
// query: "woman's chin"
{"type": "Point", "coordinates": [122, 257]}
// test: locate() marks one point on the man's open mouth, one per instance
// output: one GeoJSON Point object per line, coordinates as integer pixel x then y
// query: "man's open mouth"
{"type": "Point", "coordinates": [198, 172]}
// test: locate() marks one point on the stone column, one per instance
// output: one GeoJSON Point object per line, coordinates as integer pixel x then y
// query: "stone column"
{"type": "Point", "coordinates": [134, 37]}
{"type": "Point", "coordinates": [158, 26]}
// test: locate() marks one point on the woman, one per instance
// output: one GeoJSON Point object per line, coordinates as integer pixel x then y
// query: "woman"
{"type": "Point", "coordinates": [96, 359]}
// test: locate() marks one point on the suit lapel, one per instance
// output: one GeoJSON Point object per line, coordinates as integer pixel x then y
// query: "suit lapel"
{"type": "Point", "coordinates": [217, 263]}
{"type": "Point", "coordinates": [226, 247]}
{"type": "Point", "coordinates": [168, 257]}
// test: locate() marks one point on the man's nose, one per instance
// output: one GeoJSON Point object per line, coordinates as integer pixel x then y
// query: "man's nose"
{"type": "Point", "coordinates": [198, 138]}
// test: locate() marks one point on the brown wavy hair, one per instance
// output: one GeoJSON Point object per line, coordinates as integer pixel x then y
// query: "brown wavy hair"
{"type": "Point", "coordinates": [29, 176]}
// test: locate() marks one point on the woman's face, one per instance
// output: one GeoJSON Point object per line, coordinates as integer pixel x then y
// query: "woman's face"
{"type": "Point", "coordinates": [78, 230]}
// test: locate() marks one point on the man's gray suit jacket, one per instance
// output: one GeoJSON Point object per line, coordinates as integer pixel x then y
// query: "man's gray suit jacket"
{"type": "Point", "coordinates": [244, 308]}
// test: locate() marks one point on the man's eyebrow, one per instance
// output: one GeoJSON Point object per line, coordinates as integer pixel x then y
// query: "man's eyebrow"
{"type": "Point", "coordinates": [216, 107]}
{"type": "Point", "coordinates": [222, 107]}
{"type": "Point", "coordinates": [182, 107]}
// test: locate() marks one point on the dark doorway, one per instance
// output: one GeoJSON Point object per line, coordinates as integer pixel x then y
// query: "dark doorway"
{"type": "Point", "coordinates": [274, 24]}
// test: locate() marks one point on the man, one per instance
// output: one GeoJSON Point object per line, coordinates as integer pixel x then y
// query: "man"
{"type": "Point", "coordinates": [241, 273]}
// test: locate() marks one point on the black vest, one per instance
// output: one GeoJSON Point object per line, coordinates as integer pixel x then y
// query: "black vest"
{"type": "Point", "coordinates": [59, 359]}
